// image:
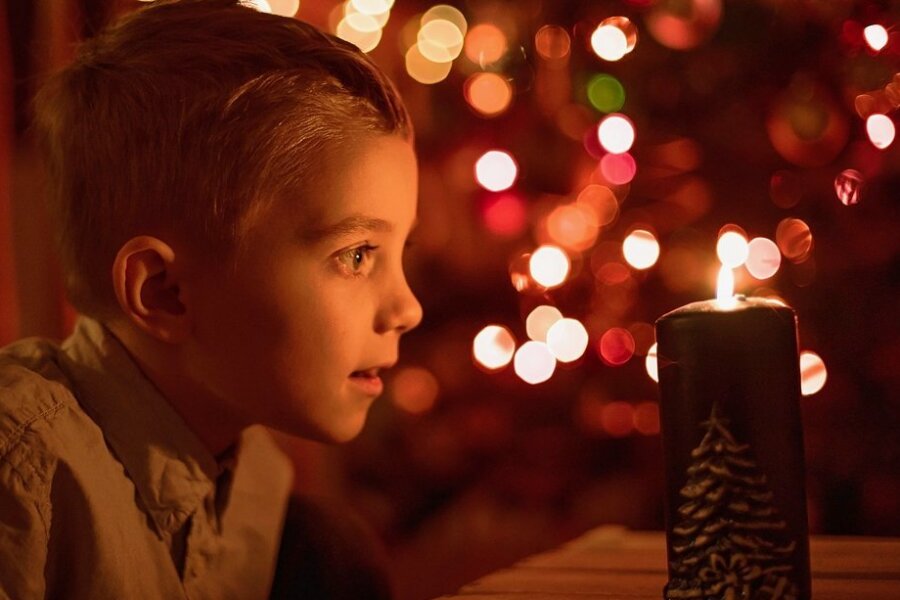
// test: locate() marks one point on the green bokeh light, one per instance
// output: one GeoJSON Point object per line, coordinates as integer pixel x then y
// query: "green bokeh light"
{"type": "Point", "coordinates": [605, 93]}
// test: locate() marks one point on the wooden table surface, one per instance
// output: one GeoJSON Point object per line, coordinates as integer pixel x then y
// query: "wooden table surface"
{"type": "Point", "coordinates": [612, 562]}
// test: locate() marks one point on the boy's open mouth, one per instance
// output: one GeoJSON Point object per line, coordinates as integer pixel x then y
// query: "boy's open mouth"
{"type": "Point", "coordinates": [368, 381]}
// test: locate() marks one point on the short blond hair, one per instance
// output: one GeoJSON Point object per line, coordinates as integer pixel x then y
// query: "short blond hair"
{"type": "Point", "coordinates": [186, 116]}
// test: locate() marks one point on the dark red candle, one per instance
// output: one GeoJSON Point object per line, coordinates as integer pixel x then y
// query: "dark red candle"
{"type": "Point", "coordinates": [729, 381]}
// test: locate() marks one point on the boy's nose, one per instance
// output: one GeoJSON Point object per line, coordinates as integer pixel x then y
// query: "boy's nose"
{"type": "Point", "coordinates": [401, 312]}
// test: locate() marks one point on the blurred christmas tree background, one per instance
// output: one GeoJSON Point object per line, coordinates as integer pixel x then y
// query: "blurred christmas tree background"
{"type": "Point", "coordinates": [770, 118]}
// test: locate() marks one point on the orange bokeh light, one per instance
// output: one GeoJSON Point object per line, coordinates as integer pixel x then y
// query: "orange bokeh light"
{"type": "Point", "coordinates": [812, 373]}
{"type": "Point", "coordinates": [617, 418]}
{"type": "Point", "coordinates": [616, 347]}
{"type": "Point", "coordinates": [646, 418]}
{"type": "Point", "coordinates": [415, 390]}
{"type": "Point", "coordinates": [552, 42]}
{"type": "Point", "coordinates": [488, 93]}
{"type": "Point", "coordinates": [794, 239]}
{"type": "Point", "coordinates": [485, 44]}
{"type": "Point", "coordinates": [573, 226]}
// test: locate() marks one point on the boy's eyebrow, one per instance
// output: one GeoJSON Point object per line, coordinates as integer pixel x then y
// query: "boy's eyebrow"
{"type": "Point", "coordinates": [348, 226]}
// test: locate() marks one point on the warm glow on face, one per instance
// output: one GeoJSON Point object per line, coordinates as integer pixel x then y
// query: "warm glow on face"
{"type": "Point", "coordinates": [567, 340]}
{"type": "Point", "coordinates": [732, 249]}
{"type": "Point", "coordinates": [488, 93]}
{"type": "Point", "coordinates": [881, 131]}
{"type": "Point", "coordinates": [651, 364]}
{"type": "Point", "coordinates": [616, 346]}
{"type": "Point", "coordinates": [496, 170]}
{"type": "Point", "coordinates": [424, 70]}
{"type": "Point", "coordinates": [725, 288]}
{"type": "Point", "coordinates": [618, 169]}
{"type": "Point", "coordinates": [534, 363]}
{"type": "Point", "coordinates": [493, 347]}
{"type": "Point", "coordinates": [616, 134]}
{"type": "Point", "coordinates": [876, 37]}
{"type": "Point", "coordinates": [641, 249]}
{"type": "Point", "coordinates": [363, 31]}
{"type": "Point", "coordinates": [440, 41]}
{"type": "Point", "coordinates": [549, 266]}
{"type": "Point", "coordinates": [540, 320]}
{"type": "Point", "coordinates": [414, 390]}
{"type": "Point", "coordinates": [848, 186]}
{"type": "Point", "coordinates": [485, 44]}
{"type": "Point", "coordinates": [764, 258]}
{"type": "Point", "coordinates": [812, 373]}
{"type": "Point", "coordinates": [609, 42]}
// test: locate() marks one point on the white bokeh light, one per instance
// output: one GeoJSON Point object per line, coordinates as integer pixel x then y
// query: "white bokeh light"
{"type": "Point", "coordinates": [763, 258]}
{"type": "Point", "coordinates": [567, 340]}
{"type": "Point", "coordinates": [732, 249]}
{"type": "Point", "coordinates": [641, 249]}
{"type": "Point", "coordinates": [496, 170]}
{"type": "Point", "coordinates": [876, 37]}
{"type": "Point", "coordinates": [651, 363]}
{"type": "Point", "coordinates": [493, 347]}
{"type": "Point", "coordinates": [881, 130]}
{"type": "Point", "coordinates": [609, 42]}
{"type": "Point", "coordinates": [812, 373]}
{"type": "Point", "coordinates": [549, 265]}
{"type": "Point", "coordinates": [616, 134]}
{"type": "Point", "coordinates": [534, 363]}
{"type": "Point", "coordinates": [540, 320]}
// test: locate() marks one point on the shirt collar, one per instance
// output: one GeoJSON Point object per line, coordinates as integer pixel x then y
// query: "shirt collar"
{"type": "Point", "coordinates": [170, 467]}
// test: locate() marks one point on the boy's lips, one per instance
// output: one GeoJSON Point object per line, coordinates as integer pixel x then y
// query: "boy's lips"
{"type": "Point", "coordinates": [368, 379]}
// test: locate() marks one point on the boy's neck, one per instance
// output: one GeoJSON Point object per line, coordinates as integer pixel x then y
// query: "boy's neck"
{"type": "Point", "coordinates": [206, 416]}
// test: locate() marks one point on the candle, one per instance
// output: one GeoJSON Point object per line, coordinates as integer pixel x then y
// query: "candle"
{"type": "Point", "coordinates": [729, 383]}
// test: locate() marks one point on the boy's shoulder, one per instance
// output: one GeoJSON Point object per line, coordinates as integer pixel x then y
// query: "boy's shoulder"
{"type": "Point", "coordinates": [33, 388]}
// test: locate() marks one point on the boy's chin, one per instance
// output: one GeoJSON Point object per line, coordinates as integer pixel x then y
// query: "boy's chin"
{"type": "Point", "coordinates": [330, 433]}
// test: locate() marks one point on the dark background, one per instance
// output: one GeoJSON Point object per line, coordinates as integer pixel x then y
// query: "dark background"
{"type": "Point", "coordinates": [494, 468]}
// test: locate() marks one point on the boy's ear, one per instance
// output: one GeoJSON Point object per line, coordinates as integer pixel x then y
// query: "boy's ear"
{"type": "Point", "coordinates": [148, 289]}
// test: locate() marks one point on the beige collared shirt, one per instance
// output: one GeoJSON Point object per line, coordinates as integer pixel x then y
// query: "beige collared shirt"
{"type": "Point", "coordinates": [105, 492]}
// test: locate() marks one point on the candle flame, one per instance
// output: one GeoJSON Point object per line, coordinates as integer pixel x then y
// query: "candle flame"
{"type": "Point", "coordinates": [725, 287]}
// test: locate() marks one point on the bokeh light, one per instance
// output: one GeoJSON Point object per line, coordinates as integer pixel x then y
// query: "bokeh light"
{"type": "Point", "coordinates": [424, 70]}
{"type": "Point", "coordinates": [605, 93]}
{"type": "Point", "coordinates": [445, 12]}
{"type": "Point", "coordinates": [785, 189]}
{"type": "Point", "coordinates": [493, 347]}
{"type": "Point", "coordinates": [618, 169]}
{"type": "Point", "coordinates": [616, 133]}
{"type": "Point", "coordinates": [505, 214]}
{"type": "Point", "coordinates": [496, 170]}
{"type": "Point", "coordinates": [414, 390]}
{"type": "Point", "coordinates": [684, 25]}
{"type": "Point", "coordinates": [652, 364]}
{"type": "Point", "coordinates": [372, 7]}
{"type": "Point", "coordinates": [848, 186]}
{"type": "Point", "coordinates": [812, 373]}
{"type": "Point", "coordinates": [485, 44]}
{"type": "Point", "coordinates": [794, 239]}
{"type": "Point", "coordinates": [617, 418]}
{"type": "Point", "coordinates": [488, 93]}
{"type": "Point", "coordinates": [732, 249]}
{"type": "Point", "coordinates": [552, 43]}
{"type": "Point", "coordinates": [539, 321]}
{"type": "Point", "coordinates": [881, 130]}
{"type": "Point", "coordinates": [520, 275]}
{"type": "Point", "coordinates": [259, 5]}
{"type": "Point", "coordinates": [641, 249]}
{"type": "Point", "coordinates": [549, 266]}
{"type": "Point", "coordinates": [609, 42]}
{"type": "Point", "coordinates": [380, 18]}
{"type": "Point", "coordinates": [285, 8]}
{"type": "Point", "coordinates": [616, 347]}
{"type": "Point", "coordinates": [573, 226]}
{"type": "Point", "coordinates": [763, 259]}
{"type": "Point", "coordinates": [363, 31]}
{"type": "Point", "coordinates": [601, 200]}
{"type": "Point", "coordinates": [876, 37]}
{"type": "Point", "coordinates": [567, 339]}
{"type": "Point", "coordinates": [440, 41]}
{"type": "Point", "coordinates": [646, 418]}
{"type": "Point", "coordinates": [534, 362]}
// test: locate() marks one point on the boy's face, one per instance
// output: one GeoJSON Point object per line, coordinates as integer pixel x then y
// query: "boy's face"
{"type": "Point", "coordinates": [294, 336]}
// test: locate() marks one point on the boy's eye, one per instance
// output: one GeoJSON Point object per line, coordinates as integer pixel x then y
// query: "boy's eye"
{"type": "Point", "coordinates": [356, 261]}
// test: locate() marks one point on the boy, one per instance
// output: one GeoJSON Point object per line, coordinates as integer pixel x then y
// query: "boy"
{"type": "Point", "coordinates": [233, 191]}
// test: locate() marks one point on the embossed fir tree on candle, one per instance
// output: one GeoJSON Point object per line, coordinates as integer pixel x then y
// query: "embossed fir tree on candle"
{"type": "Point", "coordinates": [729, 404]}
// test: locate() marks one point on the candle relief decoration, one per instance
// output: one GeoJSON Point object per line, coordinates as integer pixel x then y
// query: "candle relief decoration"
{"type": "Point", "coordinates": [730, 541]}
